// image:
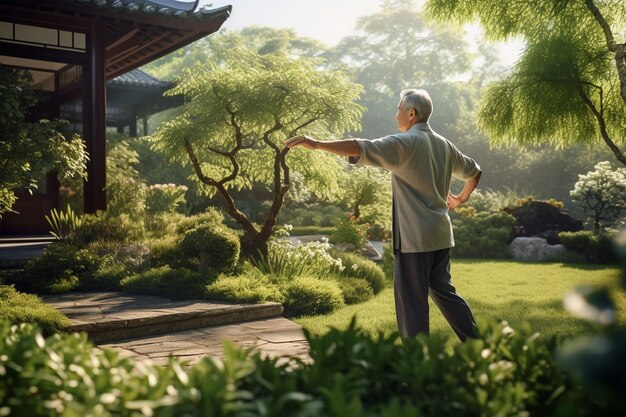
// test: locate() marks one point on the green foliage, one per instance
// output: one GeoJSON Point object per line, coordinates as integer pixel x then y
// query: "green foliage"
{"type": "Point", "coordinates": [503, 372]}
{"type": "Point", "coordinates": [65, 225]}
{"type": "Point", "coordinates": [165, 197]}
{"type": "Point", "coordinates": [388, 261]}
{"type": "Point", "coordinates": [106, 227]}
{"type": "Point", "coordinates": [354, 290]}
{"type": "Point", "coordinates": [367, 191]}
{"type": "Point", "coordinates": [127, 196]}
{"type": "Point", "coordinates": [215, 246]}
{"type": "Point", "coordinates": [483, 235]}
{"type": "Point", "coordinates": [31, 149]}
{"type": "Point", "coordinates": [210, 217]}
{"type": "Point", "coordinates": [352, 231]}
{"type": "Point", "coordinates": [315, 213]}
{"type": "Point", "coordinates": [245, 105]}
{"type": "Point", "coordinates": [16, 307]}
{"type": "Point", "coordinates": [248, 287]}
{"type": "Point", "coordinates": [593, 246]}
{"type": "Point", "coordinates": [602, 194]}
{"type": "Point", "coordinates": [167, 282]}
{"type": "Point", "coordinates": [565, 88]}
{"type": "Point", "coordinates": [311, 230]}
{"type": "Point", "coordinates": [311, 295]}
{"type": "Point", "coordinates": [310, 259]}
{"type": "Point", "coordinates": [107, 277]}
{"type": "Point", "coordinates": [357, 266]}
{"type": "Point", "coordinates": [167, 251]}
{"type": "Point", "coordinates": [61, 268]}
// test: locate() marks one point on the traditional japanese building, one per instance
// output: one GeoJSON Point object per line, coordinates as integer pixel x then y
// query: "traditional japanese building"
{"type": "Point", "coordinates": [72, 48]}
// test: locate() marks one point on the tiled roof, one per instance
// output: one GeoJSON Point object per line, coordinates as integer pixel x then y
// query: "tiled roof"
{"type": "Point", "coordinates": [164, 8]}
{"type": "Point", "coordinates": [139, 78]}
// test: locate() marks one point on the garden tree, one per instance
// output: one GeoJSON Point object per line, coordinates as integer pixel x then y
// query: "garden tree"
{"type": "Point", "coordinates": [367, 192]}
{"type": "Point", "coordinates": [570, 82]}
{"type": "Point", "coordinates": [238, 113]}
{"type": "Point", "coordinates": [29, 149]}
{"type": "Point", "coordinates": [395, 49]}
{"type": "Point", "coordinates": [602, 194]}
{"type": "Point", "coordinates": [263, 40]}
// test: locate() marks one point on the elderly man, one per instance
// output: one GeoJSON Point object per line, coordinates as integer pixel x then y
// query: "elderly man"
{"type": "Point", "coordinates": [422, 164]}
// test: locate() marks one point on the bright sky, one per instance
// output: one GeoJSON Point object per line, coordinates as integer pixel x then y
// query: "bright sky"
{"type": "Point", "coordinates": [326, 20]}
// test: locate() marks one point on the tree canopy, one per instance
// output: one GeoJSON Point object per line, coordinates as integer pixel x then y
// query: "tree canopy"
{"type": "Point", "coordinates": [569, 85]}
{"type": "Point", "coordinates": [30, 149]}
{"type": "Point", "coordinates": [238, 112]}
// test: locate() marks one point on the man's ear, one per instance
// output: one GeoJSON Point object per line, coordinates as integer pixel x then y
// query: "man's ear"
{"type": "Point", "coordinates": [412, 113]}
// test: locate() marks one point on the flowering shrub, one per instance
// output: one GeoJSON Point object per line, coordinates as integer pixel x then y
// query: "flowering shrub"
{"type": "Point", "coordinates": [601, 193]}
{"type": "Point", "coordinates": [165, 197]}
{"type": "Point", "coordinates": [351, 231]}
{"type": "Point", "coordinates": [310, 259]}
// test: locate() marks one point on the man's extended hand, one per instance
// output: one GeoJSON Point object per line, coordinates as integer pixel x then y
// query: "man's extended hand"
{"type": "Point", "coordinates": [302, 140]}
{"type": "Point", "coordinates": [453, 201]}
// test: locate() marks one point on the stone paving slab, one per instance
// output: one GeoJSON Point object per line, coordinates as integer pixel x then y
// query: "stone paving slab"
{"type": "Point", "coordinates": [107, 316]}
{"type": "Point", "coordinates": [193, 345]}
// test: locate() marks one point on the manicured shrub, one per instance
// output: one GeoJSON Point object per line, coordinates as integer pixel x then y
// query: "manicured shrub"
{"type": "Point", "coordinates": [309, 296]}
{"type": "Point", "coordinates": [166, 282]}
{"type": "Point", "coordinates": [211, 217]}
{"type": "Point", "coordinates": [354, 290]}
{"type": "Point", "coordinates": [245, 288]}
{"type": "Point", "coordinates": [165, 198]}
{"type": "Point", "coordinates": [594, 247]}
{"type": "Point", "coordinates": [501, 373]}
{"type": "Point", "coordinates": [18, 307]}
{"type": "Point", "coordinates": [107, 277]}
{"type": "Point", "coordinates": [60, 268]}
{"type": "Point", "coordinates": [216, 247]}
{"type": "Point", "coordinates": [483, 235]}
{"type": "Point", "coordinates": [167, 251]}
{"type": "Point", "coordinates": [388, 261]}
{"type": "Point", "coordinates": [359, 267]}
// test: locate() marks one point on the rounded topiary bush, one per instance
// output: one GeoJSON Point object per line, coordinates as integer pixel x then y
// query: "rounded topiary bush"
{"type": "Point", "coordinates": [354, 290]}
{"type": "Point", "coordinates": [594, 247]}
{"type": "Point", "coordinates": [357, 266]}
{"type": "Point", "coordinates": [216, 247]}
{"type": "Point", "coordinates": [243, 289]}
{"type": "Point", "coordinates": [310, 296]}
{"type": "Point", "coordinates": [167, 282]}
{"type": "Point", "coordinates": [210, 217]}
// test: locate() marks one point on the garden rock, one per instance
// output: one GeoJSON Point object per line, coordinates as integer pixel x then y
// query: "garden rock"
{"type": "Point", "coordinates": [345, 247]}
{"type": "Point", "coordinates": [539, 217]}
{"type": "Point", "coordinates": [138, 254]}
{"type": "Point", "coordinates": [534, 249]}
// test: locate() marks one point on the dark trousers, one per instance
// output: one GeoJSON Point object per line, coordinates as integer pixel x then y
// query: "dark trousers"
{"type": "Point", "coordinates": [416, 275]}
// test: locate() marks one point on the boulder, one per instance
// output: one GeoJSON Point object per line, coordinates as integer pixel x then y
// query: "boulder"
{"type": "Point", "coordinates": [545, 220]}
{"type": "Point", "coordinates": [534, 249]}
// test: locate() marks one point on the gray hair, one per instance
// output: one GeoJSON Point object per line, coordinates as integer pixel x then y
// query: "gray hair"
{"type": "Point", "coordinates": [418, 100]}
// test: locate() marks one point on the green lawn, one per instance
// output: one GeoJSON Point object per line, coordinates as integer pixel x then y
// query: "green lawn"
{"type": "Point", "coordinates": [517, 292]}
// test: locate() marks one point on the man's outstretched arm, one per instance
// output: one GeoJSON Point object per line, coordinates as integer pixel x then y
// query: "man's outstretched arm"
{"type": "Point", "coordinates": [456, 200]}
{"type": "Point", "coordinates": [346, 147]}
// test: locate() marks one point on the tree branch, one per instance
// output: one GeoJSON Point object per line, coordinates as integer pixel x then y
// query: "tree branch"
{"type": "Point", "coordinates": [605, 135]}
{"type": "Point", "coordinates": [230, 203]}
{"type": "Point", "coordinates": [618, 49]}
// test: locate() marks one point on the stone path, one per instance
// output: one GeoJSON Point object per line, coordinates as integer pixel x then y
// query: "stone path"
{"type": "Point", "coordinates": [155, 328]}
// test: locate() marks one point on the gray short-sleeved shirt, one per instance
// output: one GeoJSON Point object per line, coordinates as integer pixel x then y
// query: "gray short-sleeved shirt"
{"type": "Point", "coordinates": [421, 164]}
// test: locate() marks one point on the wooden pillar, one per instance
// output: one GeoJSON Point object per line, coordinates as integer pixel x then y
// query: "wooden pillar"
{"type": "Point", "coordinates": [132, 127]}
{"type": "Point", "coordinates": [145, 125]}
{"type": "Point", "coordinates": [94, 119]}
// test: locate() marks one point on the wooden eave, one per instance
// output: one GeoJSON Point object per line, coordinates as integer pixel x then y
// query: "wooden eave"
{"type": "Point", "coordinates": [131, 38]}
